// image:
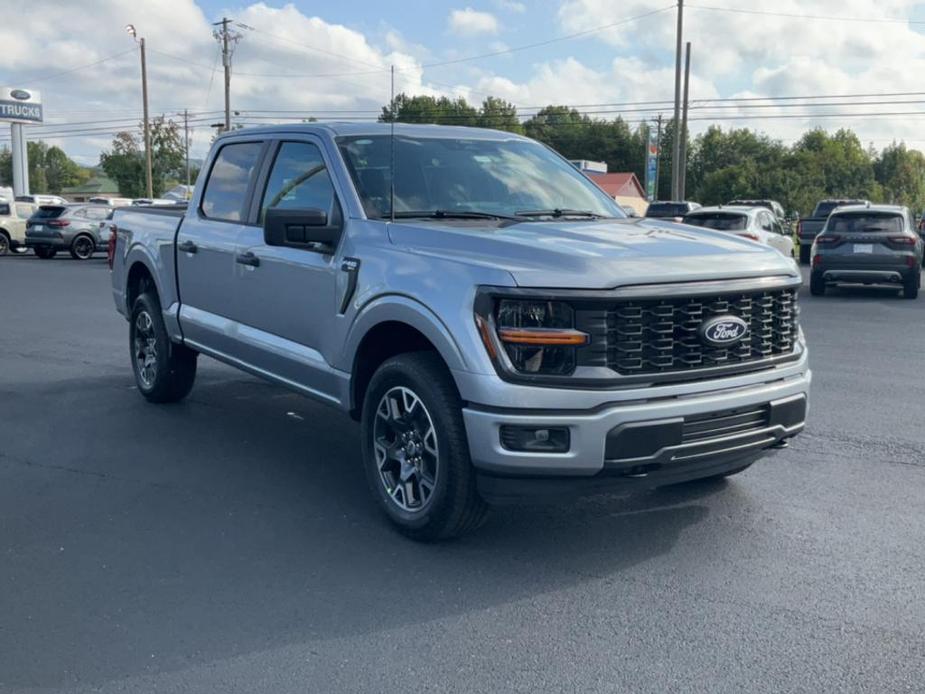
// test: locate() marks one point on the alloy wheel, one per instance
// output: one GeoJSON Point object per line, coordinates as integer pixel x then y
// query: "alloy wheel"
{"type": "Point", "coordinates": [83, 247]}
{"type": "Point", "coordinates": [145, 349]}
{"type": "Point", "coordinates": [405, 444]}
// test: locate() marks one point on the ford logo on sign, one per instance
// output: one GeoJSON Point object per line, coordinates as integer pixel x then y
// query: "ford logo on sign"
{"type": "Point", "coordinates": [723, 331]}
{"type": "Point", "coordinates": [20, 94]}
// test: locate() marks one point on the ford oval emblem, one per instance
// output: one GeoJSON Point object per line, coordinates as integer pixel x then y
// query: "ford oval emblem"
{"type": "Point", "coordinates": [723, 331]}
{"type": "Point", "coordinates": [20, 94]}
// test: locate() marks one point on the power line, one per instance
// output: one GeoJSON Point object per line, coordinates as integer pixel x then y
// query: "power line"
{"type": "Point", "coordinates": [36, 80]}
{"type": "Point", "coordinates": [547, 42]}
{"type": "Point", "coordinates": [796, 15]}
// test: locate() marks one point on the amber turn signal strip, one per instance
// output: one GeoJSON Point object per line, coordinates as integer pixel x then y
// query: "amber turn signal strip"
{"type": "Point", "coordinates": [543, 336]}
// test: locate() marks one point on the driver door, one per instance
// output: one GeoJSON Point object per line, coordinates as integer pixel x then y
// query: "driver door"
{"type": "Point", "coordinates": [285, 296]}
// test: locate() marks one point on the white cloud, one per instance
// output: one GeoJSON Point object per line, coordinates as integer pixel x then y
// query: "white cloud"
{"type": "Point", "coordinates": [511, 6]}
{"type": "Point", "coordinates": [469, 22]}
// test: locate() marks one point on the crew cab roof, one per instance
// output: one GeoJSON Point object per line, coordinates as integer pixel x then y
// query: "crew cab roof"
{"type": "Point", "coordinates": [341, 129]}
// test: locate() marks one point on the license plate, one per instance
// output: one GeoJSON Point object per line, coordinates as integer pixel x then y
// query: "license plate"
{"type": "Point", "coordinates": [37, 227]}
{"type": "Point", "coordinates": [863, 248]}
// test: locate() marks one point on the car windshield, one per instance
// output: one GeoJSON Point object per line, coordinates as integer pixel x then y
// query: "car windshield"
{"type": "Point", "coordinates": [723, 221]}
{"type": "Point", "coordinates": [666, 209]}
{"type": "Point", "coordinates": [865, 222]}
{"type": "Point", "coordinates": [446, 176]}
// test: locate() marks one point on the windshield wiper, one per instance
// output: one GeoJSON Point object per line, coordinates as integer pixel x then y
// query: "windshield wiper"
{"type": "Point", "coordinates": [448, 214]}
{"type": "Point", "coordinates": [556, 213]}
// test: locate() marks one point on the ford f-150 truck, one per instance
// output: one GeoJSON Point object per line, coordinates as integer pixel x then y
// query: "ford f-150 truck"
{"type": "Point", "coordinates": [809, 228]}
{"type": "Point", "coordinates": [497, 325]}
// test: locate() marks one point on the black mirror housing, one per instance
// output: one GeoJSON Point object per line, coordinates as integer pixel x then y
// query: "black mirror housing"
{"type": "Point", "coordinates": [298, 228]}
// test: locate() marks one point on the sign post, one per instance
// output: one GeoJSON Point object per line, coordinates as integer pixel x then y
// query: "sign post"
{"type": "Point", "coordinates": [19, 106]}
{"type": "Point", "coordinates": [652, 161]}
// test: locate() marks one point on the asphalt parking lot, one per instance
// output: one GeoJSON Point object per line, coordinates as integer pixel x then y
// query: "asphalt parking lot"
{"type": "Point", "coordinates": [228, 543]}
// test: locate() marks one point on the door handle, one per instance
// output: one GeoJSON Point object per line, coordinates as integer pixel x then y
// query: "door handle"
{"type": "Point", "coordinates": [187, 247]}
{"type": "Point", "coordinates": [247, 258]}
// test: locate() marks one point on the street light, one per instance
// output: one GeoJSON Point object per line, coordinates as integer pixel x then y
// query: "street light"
{"type": "Point", "coordinates": [130, 29]}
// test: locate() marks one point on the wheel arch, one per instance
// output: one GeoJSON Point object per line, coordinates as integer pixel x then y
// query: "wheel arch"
{"type": "Point", "coordinates": [389, 327]}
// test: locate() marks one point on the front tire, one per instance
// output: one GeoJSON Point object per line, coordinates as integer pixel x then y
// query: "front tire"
{"type": "Point", "coordinates": [415, 450]}
{"type": "Point", "coordinates": [164, 371]}
{"type": "Point", "coordinates": [45, 252]}
{"type": "Point", "coordinates": [4, 243]}
{"type": "Point", "coordinates": [816, 284]}
{"type": "Point", "coordinates": [804, 254]}
{"type": "Point", "coordinates": [82, 247]}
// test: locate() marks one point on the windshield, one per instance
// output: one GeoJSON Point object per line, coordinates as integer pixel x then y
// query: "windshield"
{"type": "Point", "coordinates": [508, 178]}
{"type": "Point", "coordinates": [723, 221]}
{"type": "Point", "coordinates": [667, 209]}
{"type": "Point", "coordinates": [863, 222]}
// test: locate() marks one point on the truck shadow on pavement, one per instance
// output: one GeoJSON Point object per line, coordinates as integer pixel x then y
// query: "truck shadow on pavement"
{"type": "Point", "coordinates": [141, 539]}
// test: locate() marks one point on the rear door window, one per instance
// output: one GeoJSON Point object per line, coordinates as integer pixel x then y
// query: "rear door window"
{"type": "Point", "coordinates": [225, 196]}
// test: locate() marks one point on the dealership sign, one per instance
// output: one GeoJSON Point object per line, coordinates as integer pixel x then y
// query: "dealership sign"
{"type": "Point", "coordinates": [20, 105]}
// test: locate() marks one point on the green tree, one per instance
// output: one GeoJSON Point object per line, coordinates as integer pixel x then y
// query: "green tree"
{"type": "Point", "coordinates": [499, 114]}
{"type": "Point", "coordinates": [61, 172]}
{"type": "Point", "coordinates": [429, 109]}
{"type": "Point", "coordinates": [124, 162]}
{"type": "Point", "coordinates": [901, 175]}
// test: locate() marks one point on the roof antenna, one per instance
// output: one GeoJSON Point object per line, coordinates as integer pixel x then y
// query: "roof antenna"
{"type": "Point", "coordinates": [392, 152]}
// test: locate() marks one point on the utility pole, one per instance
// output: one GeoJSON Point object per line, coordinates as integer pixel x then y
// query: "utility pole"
{"type": "Point", "coordinates": [658, 155]}
{"type": "Point", "coordinates": [130, 28]}
{"type": "Point", "coordinates": [186, 135]}
{"type": "Point", "coordinates": [682, 186]}
{"type": "Point", "coordinates": [676, 152]}
{"type": "Point", "coordinates": [227, 38]}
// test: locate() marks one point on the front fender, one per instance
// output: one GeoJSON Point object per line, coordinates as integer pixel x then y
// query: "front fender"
{"type": "Point", "coordinates": [403, 309]}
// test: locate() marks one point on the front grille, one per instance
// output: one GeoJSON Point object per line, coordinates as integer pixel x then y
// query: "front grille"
{"type": "Point", "coordinates": [658, 336]}
{"type": "Point", "coordinates": [727, 423]}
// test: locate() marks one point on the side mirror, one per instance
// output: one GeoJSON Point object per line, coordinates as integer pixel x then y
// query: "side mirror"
{"type": "Point", "coordinates": [299, 228]}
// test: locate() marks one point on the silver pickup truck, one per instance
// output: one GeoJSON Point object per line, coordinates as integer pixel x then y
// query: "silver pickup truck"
{"type": "Point", "coordinates": [497, 325]}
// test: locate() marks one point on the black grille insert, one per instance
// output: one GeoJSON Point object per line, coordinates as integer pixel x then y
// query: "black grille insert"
{"type": "Point", "coordinates": [728, 423]}
{"type": "Point", "coordinates": [654, 336]}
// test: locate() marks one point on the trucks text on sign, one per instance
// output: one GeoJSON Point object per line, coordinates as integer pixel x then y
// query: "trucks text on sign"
{"type": "Point", "coordinates": [20, 105]}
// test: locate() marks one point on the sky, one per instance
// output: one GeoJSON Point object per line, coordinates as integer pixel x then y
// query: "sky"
{"type": "Point", "coordinates": [331, 60]}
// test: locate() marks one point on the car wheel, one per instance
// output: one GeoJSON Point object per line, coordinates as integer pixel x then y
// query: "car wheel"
{"type": "Point", "coordinates": [82, 247]}
{"type": "Point", "coordinates": [816, 284]}
{"type": "Point", "coordinates": [415, 450]}
{"type": "Point", "coordinates": [804, 254]}
{"type": "Point", "coordinates": [164, 371]}
{"type": "Point", "coordinates": [4, 243]}
{"type": "Point", "coordinates": [911, 285]}
{"type": "Point", "coordinates": [45, 253]}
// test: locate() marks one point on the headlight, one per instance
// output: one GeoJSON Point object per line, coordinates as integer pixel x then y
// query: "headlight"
{"type": "Point", "coordinates": [536, 336]}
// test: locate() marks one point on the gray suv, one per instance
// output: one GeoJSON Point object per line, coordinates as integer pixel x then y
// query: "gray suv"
{"type": "Point", "coordinates": [491, 317]}
{"type": "Point", "coordinates": [73, 228]}
{"type": "Point", "coordinates": [868, 244]}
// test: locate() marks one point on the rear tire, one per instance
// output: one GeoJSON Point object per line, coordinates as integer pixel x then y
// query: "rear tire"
{"type": "Point", "coordinates": [911, 285]}
{"type": "Point", "coordinates": [164, 371]}
{"type": "Point", "coordinates": [82, 247]}
{"type": "Point", "coordinates": [4, 243]}
{"type": "Point", "coordinates": [816, 284]}
{"type": "Point", "coordinates": [804, 254]}
{"type": "Point", "coordinates": [415, 450]}
{"type": "Point", "coordinates": [45, 253]}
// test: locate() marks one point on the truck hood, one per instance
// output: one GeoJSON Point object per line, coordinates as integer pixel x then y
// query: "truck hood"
{"type": "Point", "coordinates": [593, 254]}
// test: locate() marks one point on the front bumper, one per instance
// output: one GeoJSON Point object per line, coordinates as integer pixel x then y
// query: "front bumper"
{"type": "Point", "coordinates": [642, 443]}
